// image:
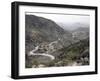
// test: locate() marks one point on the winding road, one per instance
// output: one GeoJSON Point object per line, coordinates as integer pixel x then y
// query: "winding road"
{"type": "Point", "coordinates": [42, 54]}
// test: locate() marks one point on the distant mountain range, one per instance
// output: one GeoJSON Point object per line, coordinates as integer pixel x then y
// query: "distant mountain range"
{"type": "Point", "coordinates": [80, 33]}
{"type": "Point", "coordinates": [73, 26]}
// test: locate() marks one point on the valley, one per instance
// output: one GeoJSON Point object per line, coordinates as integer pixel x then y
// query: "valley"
{"type": "Point", "coordinates": [49, 45]}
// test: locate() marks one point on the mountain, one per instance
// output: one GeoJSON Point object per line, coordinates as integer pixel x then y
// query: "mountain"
{"type": "Point", "coordinates": [73, 26]}
{"type": "Point", "coordinates": [79, 30]}
{"type": "Point", "coordinates": [80, 33]}
{"type": "Point", "coordinates": [41, 30]}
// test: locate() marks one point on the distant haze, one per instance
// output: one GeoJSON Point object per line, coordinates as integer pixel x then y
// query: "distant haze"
{"type": "Point", "coordinates": [68, 22]}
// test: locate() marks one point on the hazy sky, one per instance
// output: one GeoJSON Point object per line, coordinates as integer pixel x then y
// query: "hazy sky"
{"type": "Point", "coordinates": [64, 18]}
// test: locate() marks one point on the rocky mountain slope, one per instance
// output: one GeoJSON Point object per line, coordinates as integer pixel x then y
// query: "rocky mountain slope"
{"type": "Point", "coordinates": [40, 30]}
{"type": "Point", "coordinates": [77, 52]}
